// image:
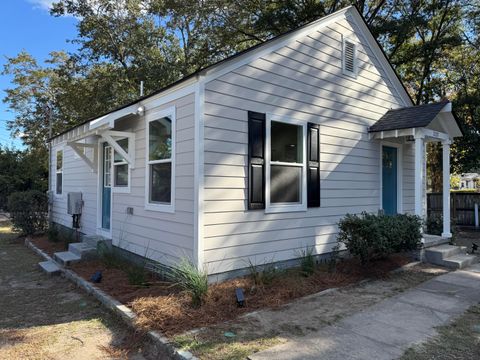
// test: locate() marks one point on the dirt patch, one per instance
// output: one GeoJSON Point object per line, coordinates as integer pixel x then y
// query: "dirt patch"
{"type": "Point", "coordinates": [459, 340]}
{"type": "Point", "coordinates": [465, 237]}
{"type": "Point", "coordinates": [161, 306]}
{"type": "Point", "coordinates": [45, 317]}
{"type": "Point", "coordinates": [47, 246]}
{"type": "Point", "coordinates": [264, 328]}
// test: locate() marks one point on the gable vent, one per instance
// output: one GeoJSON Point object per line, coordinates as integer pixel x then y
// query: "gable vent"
{"type": "Point", "coordinates": [349, 60]}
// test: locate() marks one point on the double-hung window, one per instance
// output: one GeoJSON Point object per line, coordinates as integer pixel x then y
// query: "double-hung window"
{"type": "Point", "coordinates": [120, 166]}
{"type": "Point", "coordinates": [160, 167]}
{"type": "Point", "coordinates": [59, 172]}
{"type": "Point", "coordinates": [286, 185]}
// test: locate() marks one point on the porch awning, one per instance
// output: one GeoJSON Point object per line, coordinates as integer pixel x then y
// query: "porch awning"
{"type": "Point", "coordinates": [109, 119]}
{"type": "Point", "coordinates": [437, 117]}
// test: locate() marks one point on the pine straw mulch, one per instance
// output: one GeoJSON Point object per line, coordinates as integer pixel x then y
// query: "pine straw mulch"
{"type": "Point", "coordinates": [42, 242]}
{"type": "Point", "coordinates": [161, 306]}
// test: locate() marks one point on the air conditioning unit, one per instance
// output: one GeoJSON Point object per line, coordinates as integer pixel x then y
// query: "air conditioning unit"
{"type": "Point", "coordinates": [74, 203]}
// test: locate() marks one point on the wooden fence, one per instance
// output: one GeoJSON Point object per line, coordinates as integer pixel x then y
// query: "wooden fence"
{"type": "Point", "coordinates": [462, 206]}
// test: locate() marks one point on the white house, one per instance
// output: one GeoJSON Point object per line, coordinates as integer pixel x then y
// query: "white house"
{"type": "Point", "coordinates": [257, 156]}
{"type": "Point", "coordinates": [469, 180]}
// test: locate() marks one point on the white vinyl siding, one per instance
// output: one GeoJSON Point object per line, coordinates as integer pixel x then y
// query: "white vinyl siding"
{"type": "Point", "coordinates": [77, 176]}
{"type": "Point", "coordinates": [161, 236]}
{"type": "Point", "coordinates": [303, 80]}
{"type": "Point", "coordinates": [164, 237]}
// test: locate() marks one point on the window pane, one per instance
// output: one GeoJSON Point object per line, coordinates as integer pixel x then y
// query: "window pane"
{"type": "Point", "coordinates": [286, 142]}
{"type": "Point", "coordinates": [285, 184]}
{"type": "Point", "coordinates": [160, 183]}
{"type": "Point", "coordinates": [59, 160]}
{"type": "Point", "coordinates": [160, 139]}
{"type": "Point", "coordinates": [124, 145]}
{"type": "Point", "coordinates": [107, 166]}
{"type": "Point", "coordinates": [121, 175]}
{"type": "Point", "coordinates": [59, 183]}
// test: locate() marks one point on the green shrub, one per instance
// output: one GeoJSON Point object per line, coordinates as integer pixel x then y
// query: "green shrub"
{"type": "Point", "coordinates": [262, 274]}
{"type": "Point", "coordinates": [109, 257]}
{"type": "Point", "coordinates": [137, 275]}
{"type": "Point", "coordinates": [28, 211]}
{"type": "Point", "coordinates": [307, 261]}
{"type": "Point", "coordinates": [435, 224]}
{"type": "Point", "coordinates": [189, 278]}
{"type": "Point", "coordinates": [371, 237]}
{"type": "Point", "coordinates": [53, 233]}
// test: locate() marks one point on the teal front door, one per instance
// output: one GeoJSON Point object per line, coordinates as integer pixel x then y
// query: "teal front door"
{"type": "Point", "coordinates": [389, 180]}
{"type": "Point", "coordinates": [106, 186]}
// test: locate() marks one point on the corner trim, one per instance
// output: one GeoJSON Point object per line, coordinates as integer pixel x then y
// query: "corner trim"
{"type": "Point", "coordinates": [199, 178]}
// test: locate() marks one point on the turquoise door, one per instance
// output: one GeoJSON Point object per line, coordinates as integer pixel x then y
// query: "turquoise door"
{"type": "Point", "coordinates": [389, 180]}
{"type": "Point", "coordinates": [106, 186]}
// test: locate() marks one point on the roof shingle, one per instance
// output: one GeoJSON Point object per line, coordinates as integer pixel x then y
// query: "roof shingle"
{"type": "Point", "coordinates": [409, 117]}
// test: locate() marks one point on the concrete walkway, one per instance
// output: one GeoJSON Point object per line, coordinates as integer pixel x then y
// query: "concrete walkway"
{"type": "Point", "coordinates": [387, 329]}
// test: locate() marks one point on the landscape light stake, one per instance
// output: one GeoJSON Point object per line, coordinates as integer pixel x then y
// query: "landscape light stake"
{"type": "Point", "coordinates": [240, 297]}
{"type": "Point", "coordinates": [474, 247]}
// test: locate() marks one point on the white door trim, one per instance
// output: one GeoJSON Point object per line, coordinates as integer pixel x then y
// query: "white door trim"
{"type": "Point", "coordinates": [101, 231]}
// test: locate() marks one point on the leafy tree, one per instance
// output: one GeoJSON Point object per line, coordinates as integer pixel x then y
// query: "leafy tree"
{"type": "Point", "coordinates": [454, 181]}
{"type": "Point", "coordinates": [21, 171]}
{"type": "Point", "coordinates": [433, 44]}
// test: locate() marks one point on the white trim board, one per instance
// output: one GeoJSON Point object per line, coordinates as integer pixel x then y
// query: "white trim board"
{"type": "Point", "coordinates": [199, 178]}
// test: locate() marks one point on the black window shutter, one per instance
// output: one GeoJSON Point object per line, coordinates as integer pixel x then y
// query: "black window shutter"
{"type": "Point", "coordinates": [313, 165]}
{"type": "Point", "coordinates": [256, 160]}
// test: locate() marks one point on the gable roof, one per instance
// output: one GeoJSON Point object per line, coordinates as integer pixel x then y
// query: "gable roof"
{"type": "Point", "coordinates": [408, 117]}
{"type": "Point", "coordinates": [390, 70]}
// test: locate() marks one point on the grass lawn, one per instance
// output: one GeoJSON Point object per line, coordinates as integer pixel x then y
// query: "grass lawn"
{"type": "Point", "coordinates": [458, 340]}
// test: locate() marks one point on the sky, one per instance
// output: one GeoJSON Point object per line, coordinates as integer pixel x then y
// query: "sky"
{"type": "Point", "coordinates": [27, 25]}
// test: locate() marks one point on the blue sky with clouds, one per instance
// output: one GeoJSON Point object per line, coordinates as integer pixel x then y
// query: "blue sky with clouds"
{"type": "Point", "coordinates": [27, 25]}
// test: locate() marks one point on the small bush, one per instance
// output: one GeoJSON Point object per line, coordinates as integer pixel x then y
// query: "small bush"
{"type": "Point", "coordinates": [137, 275]}
{"type": "Point", "coordinates": [189, 278]}
{"type": "Point", "coordinates": [307, 261]}
{"type": "Point", "coordinates": [435, 224]}
{"type": "Point", "coordinates": [370, 237]}
{"type": "Point", "coordinates": [53, 233]}
{"type": "Point", "coordinates": [108, 256]}
{"type": "Point", "coordinates": [28, 211]}
{"type": "Point", "coordinates": [262, 274]}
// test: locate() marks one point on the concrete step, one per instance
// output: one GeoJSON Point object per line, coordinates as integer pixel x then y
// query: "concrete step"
{"type": "Point", "coordinates": [436, 254]}
{"type": "Point", "coordinates": [84, 250]}
{"type": "Point", "coordinates": [429, 241]}
{"type": "Point", "coordinates": [66, 258]}
{"type": "Point", "coordinates": [460, 261]}
{"type": "Point", "coordinates": [49, 267]}
{"type": "Point", "coordinates": [93, 240]}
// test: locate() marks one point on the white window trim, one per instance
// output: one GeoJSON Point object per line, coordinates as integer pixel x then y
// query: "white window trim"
{"type": "Point", "coordinates": [60, 196]}
{"type": "Point", "coordinates": [121, 189]}
{"type": "Point", "coordinates": [169, 208]}
{"type": "Point", "coordinates": [355, 60]}
{"type": "Point", "coordinates": [277, 208]}
{"type": "Point", "coordinates": [399, 148]}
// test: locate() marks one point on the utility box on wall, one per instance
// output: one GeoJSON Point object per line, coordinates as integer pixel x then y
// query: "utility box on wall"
{"type": "Point", "coordinates": [74, 203]}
